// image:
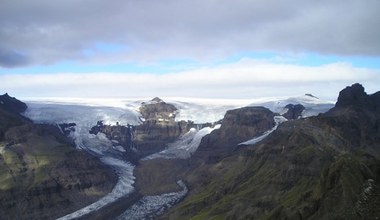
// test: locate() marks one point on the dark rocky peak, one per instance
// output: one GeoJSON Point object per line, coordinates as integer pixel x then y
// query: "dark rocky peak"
{"type": "Point", "coordinates": [294, 111]}
{"type": "Point", "coordinates": [156, 99]}
{"type": "Point", "coordinates": [311, 95]}
{"type": "Point", "coordinates": [158, 110]}
{"type": "Point", "coordinates": [375, 98]}
{"type": "Point", "coordinates": [11, 104]}
{"type": "Point", "coordinates": [353, 96]}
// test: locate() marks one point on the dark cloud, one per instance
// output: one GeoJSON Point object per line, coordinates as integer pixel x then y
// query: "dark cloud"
{"type": "Point", "coordinates": [11, 59]}
{"type": "Point", "coordinates": [50, 31]}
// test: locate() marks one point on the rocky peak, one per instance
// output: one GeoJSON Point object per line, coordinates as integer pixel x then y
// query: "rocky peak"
{"type": "Point", "coordinates": [11, 104]}
{"type": "Point", "coordinates": [294, 111]}
{"type": "Point", "coordinates": [353, 96]}
{"type": "Point", "coordinates": [158, 110]}
{"type": "Point", "coordinates": [156, 99]}
{"type": "Point", "coordinates": [311, 95]}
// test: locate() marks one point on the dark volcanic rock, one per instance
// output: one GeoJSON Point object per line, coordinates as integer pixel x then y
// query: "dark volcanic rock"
{"type": "Point", "coordinates": [294, 111]}
{"type": "Point", "coordinates": [11, 104]}
{"type": "Point", "coordinates": [311, 95]}
{"type": "Point", "coordinates": [353, 96]}
{"type": "Point", "coordinates": [10, 109]}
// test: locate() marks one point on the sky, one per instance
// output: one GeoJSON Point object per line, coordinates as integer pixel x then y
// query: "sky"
{"type": "Point", "coordinates": [211, 48]}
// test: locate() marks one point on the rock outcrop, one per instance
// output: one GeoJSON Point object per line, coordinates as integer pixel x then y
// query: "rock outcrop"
{"type": "Point", "coordinates": [11, 104]}
{"type": "Point", "coordinates": [294, 111]}
{"type": "Point", "coordinates": [237, 126]}
{"type": "Point", "coordinates": [158, 110]}
{"type": "Point", "coordinates": [355, 97]}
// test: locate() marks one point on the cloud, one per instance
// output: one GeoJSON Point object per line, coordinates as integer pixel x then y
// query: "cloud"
{"type": "Point", "coordinates": [50, 32]}
{"type": "Point", "coordinates": [247, 78]}
{"type": "Point", "coordinates": [12, 58]}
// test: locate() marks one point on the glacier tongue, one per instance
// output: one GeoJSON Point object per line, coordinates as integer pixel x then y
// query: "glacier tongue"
{"type": "Point", "coordinates": [149, 207]}
{"type": "Point", "coordinates": [123, 187]}
{"type": "Point", "coordinates": [85, 117]}
{"type": "Point", "coordinates": [185, 146]}
{"type": "Point", "coordinates": [277, 119]}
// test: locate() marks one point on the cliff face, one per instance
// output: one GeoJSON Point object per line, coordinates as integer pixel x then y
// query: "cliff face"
{"type": "Point", "coordinates": [324, 167]}
{"type": "Point", "coordinates": [237, 126]}
{"type": "Point", "coordinates": [42, 176]}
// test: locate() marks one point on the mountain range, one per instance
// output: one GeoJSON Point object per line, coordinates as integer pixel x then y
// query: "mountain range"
{"type": "Point", "coordinates": [293, 158]}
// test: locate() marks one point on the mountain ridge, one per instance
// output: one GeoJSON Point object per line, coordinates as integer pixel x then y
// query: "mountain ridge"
{"type": "Point", "coordinates": [321, 167]}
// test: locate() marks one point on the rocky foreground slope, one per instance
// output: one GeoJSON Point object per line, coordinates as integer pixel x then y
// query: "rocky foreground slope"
{"type": "Point", "coordinates": [42, 176]}
{"type": "Point", "coordinates": [323, 167]}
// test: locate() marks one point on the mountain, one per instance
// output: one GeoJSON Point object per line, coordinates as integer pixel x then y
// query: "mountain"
{"type": "Point", "coordinates": [42, 176]}
{"type": "Point", "coordinates": [263, 159]}
{"type": "Point", "coordinates": [320, 167]}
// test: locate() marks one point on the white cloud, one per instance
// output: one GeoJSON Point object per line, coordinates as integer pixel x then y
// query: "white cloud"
{"type": "Point", "coordinates": [247, 78]}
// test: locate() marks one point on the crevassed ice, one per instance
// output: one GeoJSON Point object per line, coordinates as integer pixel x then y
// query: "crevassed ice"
{"type": "Point", "coordinates": [149, 207]}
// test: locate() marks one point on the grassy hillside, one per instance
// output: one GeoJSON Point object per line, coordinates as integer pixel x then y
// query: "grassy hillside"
{"type": "Point", "coordinates": [294, 175]}
{"type": "Point", "coordinates": [324, 167]}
